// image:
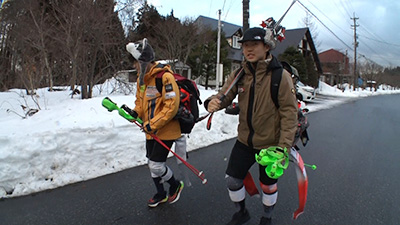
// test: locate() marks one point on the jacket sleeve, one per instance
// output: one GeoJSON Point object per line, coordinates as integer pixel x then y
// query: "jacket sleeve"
{"type": "Point", "coordinates": [170, 98]}
{"type": "Point", "coordinates": [139, 101]}
{"type": "Point", "coordinates": [229, 96]}
{"type": "Point", "coordinates": [287, 111]}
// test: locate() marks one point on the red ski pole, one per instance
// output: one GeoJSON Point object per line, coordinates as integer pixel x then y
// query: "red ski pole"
{"type": "Point", "coordinates": [111, 106]}
{"type": "Point", "coordinates": [198, 173]}
{"type": "Point", "coordinates": [222, 97]}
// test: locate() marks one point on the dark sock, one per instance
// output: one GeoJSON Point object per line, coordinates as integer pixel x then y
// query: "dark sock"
{"type": "Point", "coordinates": [241, 205]}
{"type": "Point", "coordinates": [173, 182]}
{"type": "Point", "coordinates": [159, 185]}
{"type": "Point", "coordinates": [268, 211]}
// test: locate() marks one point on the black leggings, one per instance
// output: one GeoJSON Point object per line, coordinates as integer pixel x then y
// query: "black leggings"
{"type": "Point", "coordinates": [156, 152]}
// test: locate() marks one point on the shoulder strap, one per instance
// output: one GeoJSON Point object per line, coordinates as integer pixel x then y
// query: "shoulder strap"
{"type": "Point", "coordinates": [275, 82]}
{"type": "Point", "coordinates": [159, 83]}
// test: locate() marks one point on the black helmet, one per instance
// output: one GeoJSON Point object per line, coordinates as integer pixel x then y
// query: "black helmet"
{"type": "Point", "coordinates": [292, 70]}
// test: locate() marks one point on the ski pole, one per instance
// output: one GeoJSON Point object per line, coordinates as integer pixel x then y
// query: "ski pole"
{"type": "Point", "coordinates": [313, 167]}
{"type": "Point", "coordinates": [222, 97]}
{"type": "Point", "coordinates": [111, 106]}
{"type": "Point", "coordinates": [283, 16]}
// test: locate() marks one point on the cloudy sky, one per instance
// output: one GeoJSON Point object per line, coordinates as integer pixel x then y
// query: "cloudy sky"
{"type": "Point", "coordinates": [378, 30]}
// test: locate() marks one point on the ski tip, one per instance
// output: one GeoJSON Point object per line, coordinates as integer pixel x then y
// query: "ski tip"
{"type": "Point", "coordinates": [204, 181]}
{"type": "Point", "coordinates": [297, 214]}
{"type": "Point", "coordinates": [200, 173]}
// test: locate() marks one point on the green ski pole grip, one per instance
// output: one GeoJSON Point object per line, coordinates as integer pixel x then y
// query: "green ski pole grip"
{"type": "Point", "coordinates": [111, 106]}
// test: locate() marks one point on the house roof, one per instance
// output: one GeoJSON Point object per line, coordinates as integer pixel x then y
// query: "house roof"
{"type": "Point", "coordinates": [292, 39]}
{"type": "Point", "coordinates": [228, 28]}
{"type": "Point", "coordinates": [331, 55]}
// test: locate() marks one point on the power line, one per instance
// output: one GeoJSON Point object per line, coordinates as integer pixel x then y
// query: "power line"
{"type": "Point", "coordinates": [329, 18]}
{"type": "Point", "coordinates": [324, 25]}
{"type": "Point", "coordinates": [376, 40]}
{"type": "Point", "coordinates": [341, 11]}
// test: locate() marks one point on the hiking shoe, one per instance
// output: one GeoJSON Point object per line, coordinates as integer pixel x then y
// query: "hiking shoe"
{"type": "Point", "coordinates": [240, 217]}
{"type": "Point", "coordinates": [265, 221]}
{"type": "Point", "coordinates": [174, 194]}
{"type": "Point", "coordinates": [157, 199]}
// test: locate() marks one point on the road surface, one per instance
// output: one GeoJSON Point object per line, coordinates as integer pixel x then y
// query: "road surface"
{"type": "Point", "coordinates": [354, 145]}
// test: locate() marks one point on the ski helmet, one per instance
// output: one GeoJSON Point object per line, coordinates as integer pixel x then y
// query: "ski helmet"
{"type": "Point", "coordinates": [292, 70]}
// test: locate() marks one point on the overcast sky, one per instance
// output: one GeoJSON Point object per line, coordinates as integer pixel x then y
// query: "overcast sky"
{"type": "Point", "coordinates": [378, 30]}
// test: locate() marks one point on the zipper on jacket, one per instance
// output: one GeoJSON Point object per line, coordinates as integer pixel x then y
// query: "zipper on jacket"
{"type": "Point", "coordinates": [250, 109]}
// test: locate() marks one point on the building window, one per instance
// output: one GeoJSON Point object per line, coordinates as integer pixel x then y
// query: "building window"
{"type": "Point", "coordinates": [235, 43]}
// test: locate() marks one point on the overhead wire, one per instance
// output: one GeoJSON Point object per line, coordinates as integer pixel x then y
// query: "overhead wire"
{"type": "Point", "coordinates": [229, 8]}
{"type": "Point", "coordinates": [325, 25]}
{"type": "Point", "coordinates": [377, 55]}
{"type": "Point", "coordinates": [329, 18]}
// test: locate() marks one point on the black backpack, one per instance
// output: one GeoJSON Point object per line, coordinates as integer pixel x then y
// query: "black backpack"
{"type": "Point", "coordinates": [188, 112]}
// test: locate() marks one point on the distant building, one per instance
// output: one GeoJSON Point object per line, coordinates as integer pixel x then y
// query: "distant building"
{"type": "Point", "coordinates": [232, 32]}
{"type": "Point", "coordinates": [335, 65]}
{"type": "Point", "coordinates": [301, 39]}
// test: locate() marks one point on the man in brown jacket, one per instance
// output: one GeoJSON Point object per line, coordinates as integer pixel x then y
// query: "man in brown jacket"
{"type": "Point", "coordinates": [157, 111]}
{"type": "Point", "coordinates": [261, 123]}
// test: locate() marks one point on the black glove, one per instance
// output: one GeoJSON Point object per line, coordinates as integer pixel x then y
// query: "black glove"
{"type": "Point", "coordinates": [131, 112]}
{"type": "Point", "coordinates": [146, 128]}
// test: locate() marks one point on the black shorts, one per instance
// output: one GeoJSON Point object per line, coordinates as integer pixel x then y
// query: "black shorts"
{"type": "Point", "coordinates": [241, 159]}
{"type": "Point", "coordinates": [156, 152]}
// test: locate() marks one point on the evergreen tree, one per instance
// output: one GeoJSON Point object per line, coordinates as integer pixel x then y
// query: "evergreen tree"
{"type": "Point", "coordinates": [203, 58]}
{"type": "Point", "coordinates": [296, 59]}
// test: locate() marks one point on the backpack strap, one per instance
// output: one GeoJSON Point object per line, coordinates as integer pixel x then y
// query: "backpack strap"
{"type": "Point", "coordinates": [276, 78]}
{"type": "Point", "coordinates": [159, 83]}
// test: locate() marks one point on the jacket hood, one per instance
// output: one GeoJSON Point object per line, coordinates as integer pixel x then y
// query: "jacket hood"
{"type": "Point", "coordinates": [155, 70]}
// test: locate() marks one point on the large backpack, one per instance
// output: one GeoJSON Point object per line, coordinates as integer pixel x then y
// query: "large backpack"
{"type": "Point", "coordinates": [188, 112]}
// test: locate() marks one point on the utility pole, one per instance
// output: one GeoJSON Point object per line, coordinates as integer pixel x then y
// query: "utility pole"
{"type": "Point", "coordinates": [246, 14]}
{"type": "Point", "coordinates": [355, 50]}
{"type": "Point", "coordinates": [219, 67]}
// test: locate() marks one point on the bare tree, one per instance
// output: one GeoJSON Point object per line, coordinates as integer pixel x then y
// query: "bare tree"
{"type": "Point", "coordinates": [309, 23]}
{"type": "Point", "coordinates": [88, 30]}
{"type": "Point", "coordinates": [171, 38]}
{"type": "Point", "coordinates": [371, 72]}
{"type": "Point", "coordinates": [176, 39]}
{"type": "Point", "coordinates": [24, 37]}
{"type": "Point", "coordinates": [40, 34]}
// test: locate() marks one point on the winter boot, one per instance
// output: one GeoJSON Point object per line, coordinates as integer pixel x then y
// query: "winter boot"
{"type": "Point", "coordinates": [175, 192]}
{"type": "Point", "coordinates": [157, 199]}
{"type": "Point", "coordinates": [240, 217]}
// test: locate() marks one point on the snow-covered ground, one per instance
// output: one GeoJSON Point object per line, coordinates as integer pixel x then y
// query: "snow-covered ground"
{"type": "Point", "coordinates": [70, 140]}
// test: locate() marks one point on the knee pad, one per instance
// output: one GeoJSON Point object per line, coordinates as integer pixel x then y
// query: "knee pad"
{"type": "Point", "coordinates": [233, 184]}
{"type": "Point", "coordinates": [157, 169]}
{"type": "Point", "coordinates": [236, 189]}
{"type": "Point", "coordinates": [269, 189]}
{"type": "Point", "coordinates": [270, 194]}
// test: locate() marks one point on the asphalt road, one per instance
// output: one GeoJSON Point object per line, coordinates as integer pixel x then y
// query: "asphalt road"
{"type": "Point", "coordinates": [354, 145]}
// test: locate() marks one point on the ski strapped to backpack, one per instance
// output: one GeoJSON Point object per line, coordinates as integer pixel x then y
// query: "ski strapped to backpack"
{"type": "Point", "coordinates": [188, 112]}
